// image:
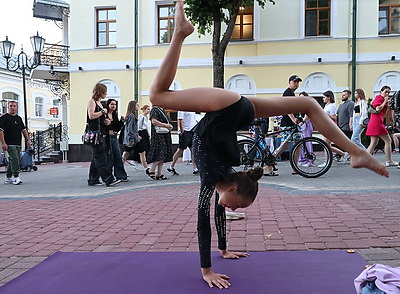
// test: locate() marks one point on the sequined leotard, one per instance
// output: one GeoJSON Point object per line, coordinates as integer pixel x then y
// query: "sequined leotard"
{"type": "Point", "coordinates": [216, 151]}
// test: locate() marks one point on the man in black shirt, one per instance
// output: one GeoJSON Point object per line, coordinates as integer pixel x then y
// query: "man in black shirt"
{"type": "Point", "coordinates": [291, 119]}
{"type": "Point", "coordinates": [11, 128]}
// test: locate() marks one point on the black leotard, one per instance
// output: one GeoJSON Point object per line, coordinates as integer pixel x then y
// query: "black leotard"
{"type": "Point", "coordinates": [216, 151]}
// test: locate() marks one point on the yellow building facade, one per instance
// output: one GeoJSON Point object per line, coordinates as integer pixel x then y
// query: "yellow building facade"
{"type": "Point", "coordinates": [317, 43]}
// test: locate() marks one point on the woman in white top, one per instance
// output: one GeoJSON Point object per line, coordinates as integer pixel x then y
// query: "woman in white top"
{"type": "Point", "coordinates": [144, 126]}
{"type": "Point", "coordinates": [360, 113]}
{"type": "Point", "coordinates": [330, 109]}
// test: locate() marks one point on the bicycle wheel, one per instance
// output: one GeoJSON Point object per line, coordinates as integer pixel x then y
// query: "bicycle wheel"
{"type": "Point", "coordinates": [249, 157]}
{"type": "Point", "coordinates": [311, 157]}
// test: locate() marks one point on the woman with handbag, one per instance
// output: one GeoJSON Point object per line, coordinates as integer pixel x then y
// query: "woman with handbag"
{"type": "Point", "coordinates": [215, 143]}
{"type": "Point", "coordinates": [161, 142]}
{"type": "Point", "coordinates": [114, 152]}
{"type": "Point", "coordinates": [376, 128]}
{"type": "Point", "coordinates": [132, 141]}
{"type": "Point", "coordinates": [360, 117]}
{"type": "Point", "coordinates": [97, 121]}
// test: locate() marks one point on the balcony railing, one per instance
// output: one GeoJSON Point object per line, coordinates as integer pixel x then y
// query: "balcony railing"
{"type": "Point", "coordinates": [56, 55]}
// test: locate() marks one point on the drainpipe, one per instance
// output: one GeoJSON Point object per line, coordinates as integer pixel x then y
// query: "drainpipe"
{"type": "Point", "coordinates": [136, 54]}
{"type": "Point", "coordinates": [354, 49]}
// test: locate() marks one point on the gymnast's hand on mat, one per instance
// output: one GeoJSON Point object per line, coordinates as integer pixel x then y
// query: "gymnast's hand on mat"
{"type": "Point", "coordinates": [233, 254]}
{"type": "Point", "coordinates": [211, 278]}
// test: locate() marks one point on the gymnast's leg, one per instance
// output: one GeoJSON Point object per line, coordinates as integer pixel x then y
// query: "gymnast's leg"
{"type": "Point", "coordinates": [276, 106]}
{"type": "Point", "coordinates": [195, 99]}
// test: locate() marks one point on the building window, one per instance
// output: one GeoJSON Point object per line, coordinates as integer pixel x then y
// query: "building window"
{"type": "Point", "coordinates": [39, 107]}
{"type": "Point", "coordinates": [389, 17]}
{"type": "Point", "coordinates": [317, 17]}
{"type": "Point", "coordinates": [166, 24]}
{"type": "Point", "coordinates": [106, 27]}
{"type": "Point", "coordinates": [8, 96]}
{"type": "Point", "coordinates": [244, 24]}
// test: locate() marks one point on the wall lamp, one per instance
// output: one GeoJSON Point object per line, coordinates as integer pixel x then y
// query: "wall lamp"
{"type": "Point", "coordinates": [319, 59]}
{"type": "Point", "coordinates": [393, 58]}
{"type": "Point", "coordinates": [127, 66]}
{"type": "Point", "coordinates": [80, 68]}
{"type": "Point", "coordinates": [240, 61]}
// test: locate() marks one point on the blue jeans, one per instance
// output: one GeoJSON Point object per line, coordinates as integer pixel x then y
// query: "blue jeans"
{"type": "Point", "coordinates": [114, 159]}
{"type": "Point", "coordinates": [357, 131]}
{"type": "Point", "coordinates": [14, 152]}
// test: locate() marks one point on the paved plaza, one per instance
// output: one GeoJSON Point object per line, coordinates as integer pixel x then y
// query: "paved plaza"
{"type": "Point", "coordinates": [54, 210]}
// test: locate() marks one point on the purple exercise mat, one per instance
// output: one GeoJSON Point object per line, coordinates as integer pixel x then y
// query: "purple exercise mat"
{"type": "Point", "coordinates": [281, 272]}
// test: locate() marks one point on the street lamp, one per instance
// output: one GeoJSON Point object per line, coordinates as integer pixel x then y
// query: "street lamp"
{"type": "Point", "coordinates": [4, 103]}
{"type": "Point", "coordinates": [22, 62]}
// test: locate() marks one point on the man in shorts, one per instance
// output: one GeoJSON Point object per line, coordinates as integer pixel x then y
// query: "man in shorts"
{"type": "Point", "coordinates": [186, 122]}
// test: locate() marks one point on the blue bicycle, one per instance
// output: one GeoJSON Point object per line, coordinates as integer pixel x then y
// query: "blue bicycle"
{"type": "Point", "coordinates": [310, 157]}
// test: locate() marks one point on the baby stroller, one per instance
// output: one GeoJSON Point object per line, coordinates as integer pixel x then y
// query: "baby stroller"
{"type": "Point", "coordinates": [26, 160]}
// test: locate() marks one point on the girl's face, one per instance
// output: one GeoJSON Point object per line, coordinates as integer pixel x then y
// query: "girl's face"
{"type": "Point", "coordinates": [137, 106]}
{"type": "Point", "coordinates": [356, 95]}
{"type": "Point", "coordinates": [385, 93]}
{"type": "Point", "coordinates": [229, 198]}
{"type": "Point", "coordinates": [112, 106]}
{"type": "Point", "coordinates": [147, 110]}
{"type": "Point", "coordinates": [326, 99]}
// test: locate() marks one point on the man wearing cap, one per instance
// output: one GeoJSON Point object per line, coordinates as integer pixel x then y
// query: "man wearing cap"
{"type": "Point", "coordinates": [290, 119]}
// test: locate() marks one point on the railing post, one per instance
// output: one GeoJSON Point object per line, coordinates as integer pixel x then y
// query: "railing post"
{"type": "Point", "coordinates": [37, 145]}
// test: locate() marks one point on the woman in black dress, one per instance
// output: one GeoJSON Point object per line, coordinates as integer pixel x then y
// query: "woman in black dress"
{"type": "Point", "coordinates": [216, 147]}
{"type": "Point", "coordinates": [161, 143]}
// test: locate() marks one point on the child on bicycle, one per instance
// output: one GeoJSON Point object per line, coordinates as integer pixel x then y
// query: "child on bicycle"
{"type": "Point", "coordinates": [216, 146]}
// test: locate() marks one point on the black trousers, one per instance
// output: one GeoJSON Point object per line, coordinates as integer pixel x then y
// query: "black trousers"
{"type": "Point", "coordinates": [98, 165]}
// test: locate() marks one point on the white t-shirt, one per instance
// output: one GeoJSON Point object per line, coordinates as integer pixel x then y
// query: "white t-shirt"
{"type": "Point", "coordinates": [330, 109]}
{"type": "Point", "coordinates": [143, 123]}
{"type": "Point", "coordinates": [188, 119]}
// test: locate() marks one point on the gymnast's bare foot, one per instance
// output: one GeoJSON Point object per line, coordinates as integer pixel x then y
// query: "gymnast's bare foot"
{"type": "Point", "coordinates": [183, 27]}
{"type": "Point", "coordinates": [364, 159]}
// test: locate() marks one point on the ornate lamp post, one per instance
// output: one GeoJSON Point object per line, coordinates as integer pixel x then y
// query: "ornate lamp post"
{"type": "Point", "coordinates": [22, 61]}
{"type": "Point", "coordinates": [4, 103]}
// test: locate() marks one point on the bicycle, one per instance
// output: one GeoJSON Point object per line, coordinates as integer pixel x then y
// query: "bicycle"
{"type": "Point", "coordinates": [310, 157]}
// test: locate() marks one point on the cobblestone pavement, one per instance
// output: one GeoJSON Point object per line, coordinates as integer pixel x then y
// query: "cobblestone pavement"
{"type": "Point", "coordinates": [54, 210]}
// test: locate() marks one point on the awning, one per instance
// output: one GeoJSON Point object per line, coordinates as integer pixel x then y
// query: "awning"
{"type": "Point", "coordinates": [51, 73]}
{"type": "Point", "coordinates": [50, 9]}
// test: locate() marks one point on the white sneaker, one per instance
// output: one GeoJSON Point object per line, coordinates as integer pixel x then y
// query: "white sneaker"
{"type": "Point", "coordinates": [391, 163]}
{"type": "Point", "coordinates": [8, 181]}
{"type": "Point", "coordinates": [16, 180]}
{"type": "Point", "coordinates": [346, 157]}
{"type": "Point", "coordinates": [322, 164]}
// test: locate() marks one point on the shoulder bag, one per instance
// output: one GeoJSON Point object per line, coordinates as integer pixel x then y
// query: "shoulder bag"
{"type": "Point", "coordinates": [371, 109]}
{"type": "Point", "coordinates": [159, 129]}
{"type": "Point", "coordinates": [90, 137]}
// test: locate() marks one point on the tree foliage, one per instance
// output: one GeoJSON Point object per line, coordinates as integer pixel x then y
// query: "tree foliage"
{"type": "Point", "coordinates": [208, 16]}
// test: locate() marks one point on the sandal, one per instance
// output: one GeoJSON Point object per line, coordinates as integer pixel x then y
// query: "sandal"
{"type": "Point", "coordinates": [271, 174]}
{"type": "Point", "coordinates": [162, 177]}
{"type": "Point", "coordinates": [152, 175]}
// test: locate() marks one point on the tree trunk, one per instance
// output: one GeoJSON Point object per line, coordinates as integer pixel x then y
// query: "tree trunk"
{"type": "Point", "coordinates": [219, 46]}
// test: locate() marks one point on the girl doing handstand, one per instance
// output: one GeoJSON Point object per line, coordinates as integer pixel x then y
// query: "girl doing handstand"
{"type": "Point", "coordinates": [215, 143]}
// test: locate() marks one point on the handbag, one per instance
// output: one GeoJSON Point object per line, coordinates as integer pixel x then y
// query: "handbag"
{"type": "Point", "coordinates": [90, 137]}
{"type": "Point", "coordinates": [4, 159]}
{"type": "Point", "coordinates": [161, 130]}
{"type": "Point", "coordinates": [371, 109]}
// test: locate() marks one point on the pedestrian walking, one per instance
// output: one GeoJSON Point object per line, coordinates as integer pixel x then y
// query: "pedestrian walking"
{"type": "Point", "coordinates": [11, 130]}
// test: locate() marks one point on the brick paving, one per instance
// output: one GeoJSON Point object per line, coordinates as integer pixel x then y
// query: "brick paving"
{"type": "Point", "coordinates": [54, 210]}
